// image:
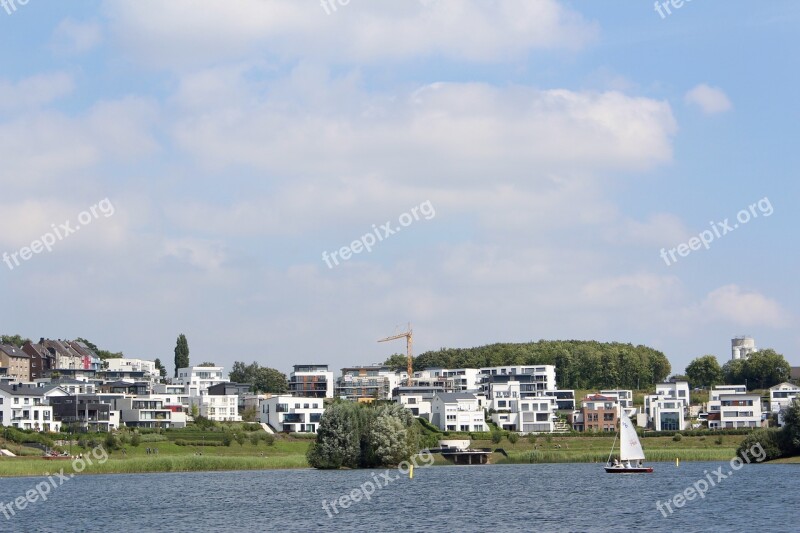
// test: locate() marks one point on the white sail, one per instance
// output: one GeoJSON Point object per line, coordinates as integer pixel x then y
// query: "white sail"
{"type": "Point", "coordinates": [630, 449]}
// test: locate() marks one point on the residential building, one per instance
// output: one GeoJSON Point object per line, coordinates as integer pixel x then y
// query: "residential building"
{"type": "Point", "coordinates": [374, 382]}
{"type": "Point", "coordinates": [148, 368]}
{"type": "Point", "coordinates": [730, 406]}
{"type": "Point", "coordinates": [516, 411]}
{"type": "Point", "coordinates": [144, 412]}
{"type": "Point", "coordinates": [457, 411]}
{"type": "Point", "coordinates": [597, 413]}
{"type": "Point", "coordinates": [90, 412]}
{"type": "Point", "coordinates": [41, 360]}
{"type": "Point", "coordinates": [780, 397]}
{"type": "Point", "coordinates": [416, 399]}
{"type": "Point", "coordinates": [667, 408]}
{"type": "Point", "coordinates": [311, 381]}
{"type": "Point", "coordinates": [199, 378]}
{"type": "Point", "coordinates": [27, 407]}
{"type": "Point", "coordinates": [134, 388]}
{"type": "Point", "coordinates": [17, 362]}
{"type": "Point", "coordinates": [219, 408]}
{"type": "Point", "coordinates": [533, 378]}
{"type": "Point", "coordinates": [240, 390]}
{"type": "Point", "coordinates": [292, 414]}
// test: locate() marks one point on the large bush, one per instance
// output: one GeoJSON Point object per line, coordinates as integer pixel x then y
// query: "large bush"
{"type": "Point", "coordinates": [356, 435]}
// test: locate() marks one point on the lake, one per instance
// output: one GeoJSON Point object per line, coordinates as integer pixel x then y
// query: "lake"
{"type": "Point", "coordinates": [541, 497]}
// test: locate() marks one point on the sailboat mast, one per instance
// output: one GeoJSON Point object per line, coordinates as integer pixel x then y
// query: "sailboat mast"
{"type": "Point", "coordinates": [612, 447]}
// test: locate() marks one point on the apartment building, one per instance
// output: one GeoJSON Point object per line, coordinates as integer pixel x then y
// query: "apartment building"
{"type": "Point", "coordinates": [457, 411]}
{"type": "Point", "coordinates": [16, 361]}
{"type": "Point", "coordinates": [27, 407]}
{"type": "Point", "coordinates": [199, 378]}
{"type": "Point", "coordinates": [374, 382]}
{"type": "Point", "coordinates": [597, 413]}
{"type": "Point", "coordinates": [311, 381]}
{"type": "Point", "coordinates": [292, 414]}
{"type": "Point", "coordinates": [667, 409]}
{"type": "Point", "coordinates": [780, 397]}
{"type": "Point", "coordinates": [731, 406]}
{"type": "Point", "coordinates": [416, 399]}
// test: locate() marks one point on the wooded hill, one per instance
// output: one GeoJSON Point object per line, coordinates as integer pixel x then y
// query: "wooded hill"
{"type": "Point", "coordinates": [579, 364]}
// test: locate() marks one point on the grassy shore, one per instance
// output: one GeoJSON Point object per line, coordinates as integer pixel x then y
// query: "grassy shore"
{"type": "Point", "coordinates": [287, 452]}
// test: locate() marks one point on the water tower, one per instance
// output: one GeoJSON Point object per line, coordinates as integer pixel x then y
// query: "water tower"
{"type": "Point", "coordinates": [742, 346]}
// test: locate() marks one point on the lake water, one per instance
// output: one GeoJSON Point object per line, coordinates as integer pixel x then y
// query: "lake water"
{"type": "Point", "coordinates": [496, 498]}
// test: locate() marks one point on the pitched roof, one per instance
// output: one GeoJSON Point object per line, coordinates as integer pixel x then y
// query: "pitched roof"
{"type": "Point", "coordinates": [13, 351]}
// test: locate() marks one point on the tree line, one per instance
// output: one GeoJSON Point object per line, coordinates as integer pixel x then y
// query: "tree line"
{"type": "Point", "coordinates": [579, 364]}
{"type": "Point", "coordinates": [760, 370]}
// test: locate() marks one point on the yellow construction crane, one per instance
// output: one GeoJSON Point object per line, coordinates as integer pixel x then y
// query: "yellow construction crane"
{"type": "Point", "coordinates": [409, 342]}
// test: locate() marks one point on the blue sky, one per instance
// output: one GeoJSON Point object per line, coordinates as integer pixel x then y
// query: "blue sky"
{"type": "Point", "coordinates": [561, 146]}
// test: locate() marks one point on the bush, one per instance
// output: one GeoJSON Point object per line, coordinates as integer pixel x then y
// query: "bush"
{"type": "Point", "coordinates": [135, 439]}
{"type": "Point", "coordinates": [512, 437]}
{"type": "Point", "coordinates": [309, 436]}
{"type": "Point", "coordinates": [532, 438]}
{"type": "Point", "coordinates": [497, 436]}
{"type": "Point", "coordinates": [718, 440]}
{"type": "Point", "coordinates": [254, 439]}
{"type": "Point", "coordinates": [269, 438]}
{"type": "Point", "coordinates": [677, 437]}
{"type": "Point", "coordinates": [240, 438]}
{"type": "Point", "coordinates": [227, 439]}
{"type": "Point", "coordinates": [251, 427]}
{"type": "Point", "coordinates": [772, 440]}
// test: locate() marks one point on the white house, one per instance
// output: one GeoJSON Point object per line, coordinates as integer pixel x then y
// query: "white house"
{"type": "Point", "coordinates": [291, 413]}
{"type": "Point", "coordinates": [730, 406]}
{"type": "Point", "coordinates": [199, 378]}
{"type": "Point", "coordinates": [780, 397]}
{"type": "Point", "coordinates": [532, 378]}
{"type": "Point", "coordinates": [219, 408]}
{"type": "Point", "coordinates": [457, 411]}
{"type": "Point", "coordinates": [416, 399]}
{"type": "Point", "coordinates": [515, 412]}
{"type": "Point", "coordinates": [133, 365]}
{"type": "Point", "coordinates": [26, 407]}
{"type": "Point", "coordinates": [667, 408]}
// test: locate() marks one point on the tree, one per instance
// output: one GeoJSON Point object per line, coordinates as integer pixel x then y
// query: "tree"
{"type": "Point", "coordinates": [393, 435]}
{"type": "Point", "coordinates": [14, 340]}
{"type": "Point", "coordinates": [397, 362]}
{"type": "Point", "coordinates": [181, 353]}
{"type": "Point", "coordinates": [250, 414]}
{"type": "Point", "coordinates": [261, 379]}
{"type": "Point", "coordinates": [207, 364]}
{"type": "Point", "coordinates": [162, 370]}
{"type": "Point", "coordinates": [765, 368]}
{"type": "Point", "coordinates": [338, 438]}
{"type": "Point", "coordinates": [240, 438]}
{"type": "Point", "coordinates": [704, 372]}
{"type": "Point", "coordinates": [733, 372]}
{"type": "Point", "coordinates": [102, 354]}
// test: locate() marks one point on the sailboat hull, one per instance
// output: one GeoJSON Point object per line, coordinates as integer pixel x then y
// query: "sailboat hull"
{"type": "Point", "coordinates": [631, 470]}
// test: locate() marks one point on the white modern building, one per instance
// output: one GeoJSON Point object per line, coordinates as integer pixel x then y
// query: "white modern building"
{"type": "Point", "coordinates": [667, 408]}
{"type": "Point", "coordinates": [133, 365]}
{"type": "Point", "coordinates": [730, 406]}
{"type": "Point", "coordinates": [219, 408]}
{"type": "Point", "coordinates": [292, 414]}
{"type": "Point", "coordinates": [526, 414]}
{"type": "Point", "coordinates": [533, 378]}
{"type": "Point", "coordinates": [780, 397]}
{"type": "Point", "coordinates": [457, 411]}
{"type": "Point", "coordinates": [26, 407]}
{"type": "Point", "coordinates": [374, 382]}
{"type": "Point", "coordinates": [199, 378]}
{"type": "Point", "coordinates": [417, 399]}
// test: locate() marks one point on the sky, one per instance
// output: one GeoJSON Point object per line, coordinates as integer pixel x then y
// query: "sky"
{"type": "Point", "coordinates": [288, 181]}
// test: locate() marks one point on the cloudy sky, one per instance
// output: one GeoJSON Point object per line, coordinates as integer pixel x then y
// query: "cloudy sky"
{"type": "Point", "coordinates": [536, 156]}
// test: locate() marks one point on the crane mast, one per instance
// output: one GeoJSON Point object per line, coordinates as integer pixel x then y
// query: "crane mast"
{"type": "Point", "coordinates": [409, 345]}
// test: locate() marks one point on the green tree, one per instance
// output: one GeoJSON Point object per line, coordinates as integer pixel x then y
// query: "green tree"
{"type": "Point", "coordinates": [765, 368]}
{"type": "Point", "coordinates": [240, 438]}
{"type": "Point", "coordinates": [338, 440]}
{"type": "Point", "coordinates": [733, 372]}
{"type": "Point", "coordinates": [261, 378]}
{"type": "Point", "coordinates": [102, 354]}
{"type": "Point", "coordinates": [181, 353]}
{"type": "Point", "coordinates": [207, 364]}
{"type": "Point", "coordinates": [704, 372]}
{"type": "Point", "coordinates": [135, 440]}
{"type": "Point", "coordinates": [162, 371]}
{"type": "Point", "coordinates": [227, 439]}
{"type": "Point", "coordinates": [393, 435]}
{"type": "Point", "coordinates": [397, 362]}
{"type": "Point", "coordinates": [250, 414]}
{"type": "Point", "coordinates": [791, 427]}
{"type": "Point", "coordinates": [14, 340]}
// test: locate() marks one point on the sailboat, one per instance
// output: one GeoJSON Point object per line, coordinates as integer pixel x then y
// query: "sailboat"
{"type": "Point", "coordinates": [631, 454]}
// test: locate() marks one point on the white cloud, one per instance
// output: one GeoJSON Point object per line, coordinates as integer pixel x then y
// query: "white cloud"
{"type": "Point", "coordinates": [35, 91]}
{"type": "Point", "coordinates": [744, 308]}
{"type": "Point", "coordinates": [176, 33]}
{"type": "Point", "coordinates": [710, 100]}
{"type": "Point", "coordinates": [74, 37]}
